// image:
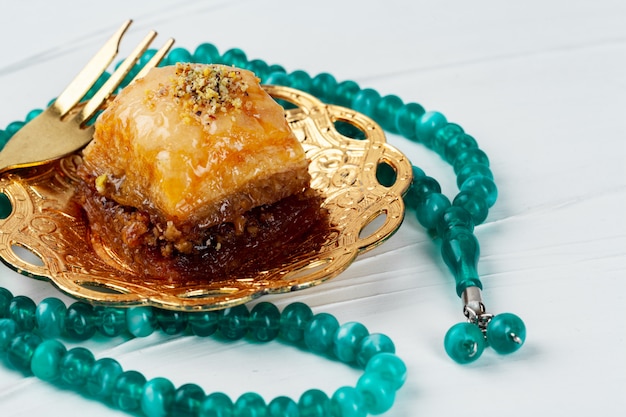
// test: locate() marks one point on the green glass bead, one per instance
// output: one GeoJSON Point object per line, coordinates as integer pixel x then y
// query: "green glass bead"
{"type": "Point", "coordinates": [421, 187]}
{"type": "Point", "coordinates": [32, 114]}
{"type": "Point", "coordinates": [347, 340]}
{"type": "Point", "coordinates": [444, 135]}
{"type": "Point", "coordinates": [6, 207]}
{"type": "Point", "coordinates": [506, 333]}
{"type": "Point", "coordinates": [386, 112]}
{"type": "Point", "coordinates": [21, 349]}
{"type": "Point", "coordinates": [418, 172]}
{"type": "Point", "coordinates": [206, 53]}
{"type": "Point", "coordinates": [424, 186]}
{"type": "Point", "coordinates": [320, 332]}
{"type": "Point", "coordinates": [282, 407]}
{"type": "Point", "coordinates": [141, 321]}
{"type": "Point", "coordinates": [454, 217]}
{"type": "Point", "coordinates": [482, 187]}
{"type": "Point", "coordinates": [178, 55]}
{"type": "Point", "coordinates": [5, 301]}
{"type": "Point", "coordinates": [379, 395]}
{"type": "Point", "coordinates": [470, 156]}
{"type": "Point", "coordinates": [250, 404]}
{"type": "Point", "coordinates": [457, 145]}
{"type": "Point", "coordinates": [260, 68]}
{"type": "Point", "coordinates": [471, 170]}
{"type": "Point", "coordinates": [264, 322]}
{"type": "Point", "coordinates": [474, 205]}
{"type": "Point", "coordinates": [464, 342]}
{"type": "Point", "coordinates": [171, 322]}
{"type": "Point", "coordinates": [128, 391]}
{"type": "Point", "coordinates": [314, 403]}
{"type": "Point", "coordinates": [301, 80]}
{"type": "Point", "coordinates": [157, 397]}
{"type": "Point", "coordinates": [277, 78]}
{"type": "Point", "coordinates": [345, 93]}
{"type": "Point", "coordinates": [293, 320]}
{"type": "Point", "coordinates": [187, 400]}
{"type": "Point", "coordinates": [80, 321]}
{"type": "Point", "coordinates": [323, 86]}
{"type": "Point", "coordinates": [460, 252]}
{"type": "Point", "coordinates": [406, 119]}
{"type": "Point", "coordinates": [366, 101]}
{"type": "Point", "coordinates": [76, 365]}
{"type": "Point", "coordinates": [4, 138]}
{"type": "Point", "coordinates": [235, 57]}
{"type": "Point", "coordinates": [102, 79]}
{"type": "Point", "coordinates": [372, 345]}
{"type": "Point", "coordinates": [22, 310]}
{"type": "Point", "coordinates": [111, 321]}
{"type": "Point", "coordinates": [274, 68]}
{"type": "Point", "coordinates": [431, 209]}
{"type": "Point", "coordinates": [233, 322]}
{"type": "Point", "coordinates": [348, 402]}
{"type": "Point", "coordinates": [47, 359]}
{"type": "Point", "coordinates": [427, 125]}
{"type": "Point", "coordinates": [216, 404]}
{"type": "Point", "coordinates": [8, 330]}
{"type": "Point", "coordinates": [390, 368]}
{"type": "Point", "coordinates": [13, 127]}
{"type": "Point", "coordinates": [146, 56]}
{"type": "Point", "coordinates": [50, 316]}
{"type": "Point", "coordinates": [203, 323]}
{"type": "Point", "coordinates": [102, 377]}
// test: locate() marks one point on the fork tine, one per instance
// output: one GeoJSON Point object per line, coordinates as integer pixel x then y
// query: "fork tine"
{"type": "Point", "coordinates": [156, 58]}
{"type": "Point", "coordinates": [87, 77]}
{"type": "Point", "coordinates": [115, 79]}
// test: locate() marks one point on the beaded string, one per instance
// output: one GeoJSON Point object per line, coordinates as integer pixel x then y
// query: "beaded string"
{"type": "Point", "coordinates": [29, 336]}
{"type": "Point", "coordinates": [29, 332]}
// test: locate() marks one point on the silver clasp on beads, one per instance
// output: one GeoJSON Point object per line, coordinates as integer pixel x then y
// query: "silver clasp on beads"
{"type": "Point", "coordinates": [474, 308]}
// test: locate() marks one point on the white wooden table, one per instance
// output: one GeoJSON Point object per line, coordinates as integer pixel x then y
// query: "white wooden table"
{"type": "Point", "coordinates": [540, 84]}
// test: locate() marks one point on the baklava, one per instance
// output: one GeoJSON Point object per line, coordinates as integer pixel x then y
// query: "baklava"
{"type": "Point", "coordinates": [188, 159]}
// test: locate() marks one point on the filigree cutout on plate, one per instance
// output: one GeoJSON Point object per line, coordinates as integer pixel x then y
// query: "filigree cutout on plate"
{"type": "Point", "coordinates": [343, 169]}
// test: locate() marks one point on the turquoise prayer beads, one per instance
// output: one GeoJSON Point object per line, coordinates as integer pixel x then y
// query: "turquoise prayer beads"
{"type": "Point", "coordinates": [46, 360]}
{"type": "Point", "coordinates": [505, 333]}
{"type": "Point", "coordinates": [157, 397]}
{"type": "Point", "coordinates": [50, 315]}
{"type": "Point", "coordinates": [450, 221]}
{"type": "Point", "coordinates": [464, 342]}
{"type": "Point", "coordinates": [104, 379]}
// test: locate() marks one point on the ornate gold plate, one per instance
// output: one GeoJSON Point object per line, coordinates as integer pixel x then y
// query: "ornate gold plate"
{"type": "Point", "coordinates": [343, 169]}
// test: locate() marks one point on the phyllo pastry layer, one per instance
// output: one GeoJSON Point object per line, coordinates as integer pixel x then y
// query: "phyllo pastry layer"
{"type": "Point", "coordinates": [189, 147]}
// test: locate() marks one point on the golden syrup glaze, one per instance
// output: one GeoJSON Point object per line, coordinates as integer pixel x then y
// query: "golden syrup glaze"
{"type": "Point", "coordinates": [180, 157]}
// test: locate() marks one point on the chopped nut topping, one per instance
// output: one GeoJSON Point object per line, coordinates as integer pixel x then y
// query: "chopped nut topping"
{"type": "Point", "coordinates": [205, 90]}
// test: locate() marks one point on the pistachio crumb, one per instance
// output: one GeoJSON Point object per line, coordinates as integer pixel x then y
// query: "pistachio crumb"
{"type": "Point", "coordinates": [205, 90]}
{"type": "Point", "coordinates": [101, 183]}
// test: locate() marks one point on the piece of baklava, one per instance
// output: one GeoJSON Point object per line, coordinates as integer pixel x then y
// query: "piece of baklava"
{"type": "Point", "coordinates": [184, 150]}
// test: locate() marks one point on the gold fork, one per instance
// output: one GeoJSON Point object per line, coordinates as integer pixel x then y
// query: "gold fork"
{"type": "Point", "coordinates": [58, 131]}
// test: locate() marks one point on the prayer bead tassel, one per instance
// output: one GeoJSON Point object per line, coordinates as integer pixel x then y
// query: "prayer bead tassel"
{"type": "Point", "coordinates": [460, 252]}
{"type": "Point", "coordinates": [465, 342]}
